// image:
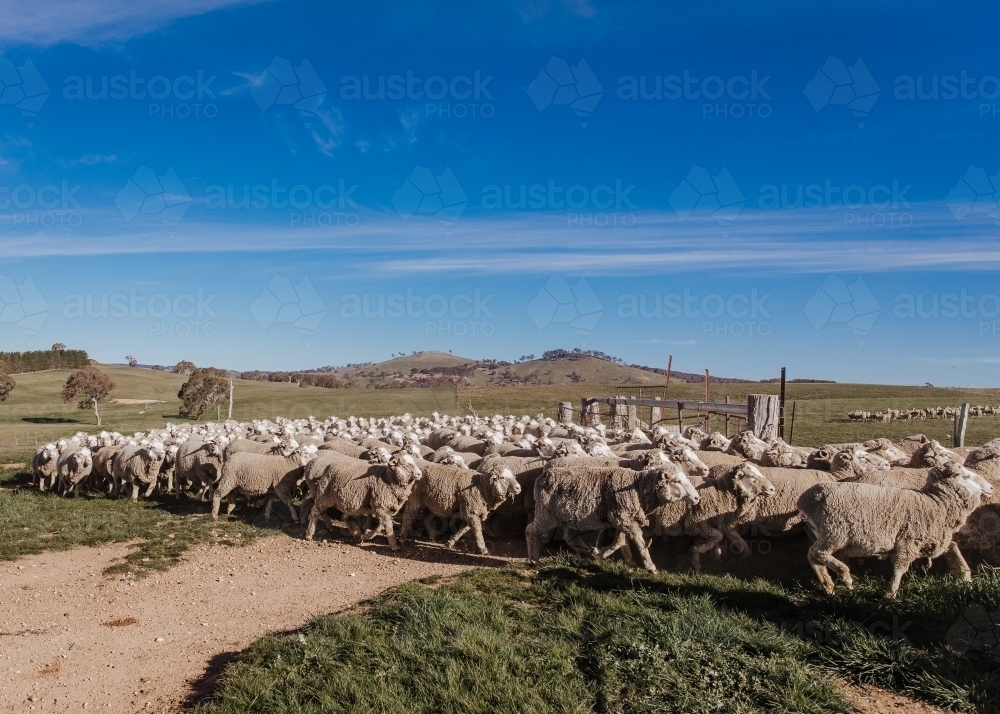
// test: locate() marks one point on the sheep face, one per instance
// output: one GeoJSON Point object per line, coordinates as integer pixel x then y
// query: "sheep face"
{"type": "Point", "coordinates": [454, 459]}
{"type": "Point", "coordinates": [567, 448]}
{"type": "Point", "coordinates": [716, 441]}
{"type": "Point", "coordinates": [752, 483]}
{"type": "Point", "coordinates": [307, 454]}
{"type": "Point", "coordinates": [688, 461]}
{"type": "Point", "coordinates": [673, 485]}
{"type": "Point", "coordinates": [404, 468]}
{"type": "Point", "coordinates": [652, 458]}
{"type": "Point", "coordinates": [858, 460]}
{"type": "Point", "coordinates": [748, 446]}
{"type": "Point", "coordinates": [933, 454]}
{"type": "Point", "coordinates": [599, 448]}
{"type": "Point", "coordinates": [821, 458]}
{"type": "Point", "coordinates": [781, 454]}
{"type": "Point", "coordinates": [504, 484]}
{"type": "Point", "coordinates": [968, 479]}
{"type": "Point", "coordinates": [888, 451]}
{"type": "Point", "coordinates": [380, 455]}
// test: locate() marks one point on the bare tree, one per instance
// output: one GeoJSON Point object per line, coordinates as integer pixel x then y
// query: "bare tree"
{"type": "Point", "coordinates": [132, 361]}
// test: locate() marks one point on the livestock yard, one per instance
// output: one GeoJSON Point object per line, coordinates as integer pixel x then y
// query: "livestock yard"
{"type": "Point", "coordinates": [458, 549]}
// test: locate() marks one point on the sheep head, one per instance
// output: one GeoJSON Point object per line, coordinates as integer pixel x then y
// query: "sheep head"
{"type": "Point", "coordinates": [716, 441]}
{"type": "Point", "coordinates": [597, 447]}
{"type": "Point", "coordinates": [453, 458]}
{"type": "Point", "coordinates": [380, 455]}
{"type": "Point", "coordinates": [569, 448]}
{"type": "Point", "coordinates": [855, 461]}
{"type": "Point", "coordinates": [821, 458]}
{"type": "Point", "coordinates": [750, 482]}
{"type": "Point", "coordinates": [688, 461]}
{"type": "Point", "coordinates": [404, 468]}
{"type": "Point", "coordinates": [307, 453]}
{"type": "Point", "coordinates": [673, 485]}
{"type": "Point", "coordinates": [651, 459]}
{"type": "Point", "coordinates": [888, 451]}
{"type": "Point", "coordinates": [986, 457]}
{"type": "Point", "coordinates": [747, 445]}
{"type": "Point", "coordinates": [504, 484]}
{"type": "Point", "coordinates": [934, 454]}
{"type": "Point", "coordinates": [964, 477]}
{"type": "Point", "coordinates": [778, 453]}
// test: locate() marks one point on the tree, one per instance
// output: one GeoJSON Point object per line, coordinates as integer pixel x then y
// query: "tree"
{"type": "Point", "coordinates": [91, 386]}
{"type": "Point", "coordinates": [7, 385]}
{"type": "Point", "coordinates": [132, 361]}
{"type": "Point", "coordinates": [157, 368]}
{"type": "Point", "coordinates": [184, 367]}
{"type": "Point", "coordinates": [58, 347]}
{"type": "Point", "coordinates": [205, 388]}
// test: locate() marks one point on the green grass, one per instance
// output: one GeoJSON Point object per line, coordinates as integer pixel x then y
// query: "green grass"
{"type": "Point", "coordinates": [161, 530]}
{"type": "Point", "coordinates": [596, 636]}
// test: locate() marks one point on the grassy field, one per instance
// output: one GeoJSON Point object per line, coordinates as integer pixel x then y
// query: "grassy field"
{"type": "Point", "coordinates": [597, 636]}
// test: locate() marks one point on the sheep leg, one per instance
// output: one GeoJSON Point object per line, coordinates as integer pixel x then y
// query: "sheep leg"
{"type": "Point", "coordinates": [706, 541]}
{"type": "Point", "coordinates": [135, 493]}
{"type": "Point", "coordinates": [901, 561]}
{"type": "Point", "coordinates": [737, 541]}
{"type": "Point", "coordinates": [821, 558]}
{"type": "Point", "coordinates": [267, 508]}
{"type": "Point", "coordinates": [956, 563]}
{"type": "Point", "coordinates": [307, 503]}
{"type": "Point", "coordinates": [539, 531]}
{"type": "Point", "coordinates": [406, 523]}
{"type": "Point", "coordinates": [477, 532]}
{"type": "Point", "coordinates": [634, 533]}
{"type": "Point", "coordinates": [314, 514]}
{"type": "Point", "coordinates": [231, 503]}
{"type": "Point", "coordinates": [149, 491]}
{"type": "Point", "coordinates": [385, 524]}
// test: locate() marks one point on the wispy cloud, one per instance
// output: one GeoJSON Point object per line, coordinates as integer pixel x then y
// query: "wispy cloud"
{"type": "Point", "coordinates": [93, 22]}
{"type": "Point", "coordinates": [89, 160]}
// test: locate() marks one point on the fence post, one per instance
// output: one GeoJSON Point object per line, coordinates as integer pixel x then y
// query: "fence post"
{"type": "Point", "coordinates": [631, 417]}
{"type": "Point", "coordinates": [655, 414]}
{"type": "Point", "coordinates": [762, 415]}
{"type": "Point", "coordinates": [727, 420]}
{"type": "Point", "coordinates": [592, 417]}
{"type": "Point", "coordinates": [958, 434]}
{"type": "Point", "coordinates": [617, 416]}
{"type": "Point", "coordinates": [565, 412]}
{"type": "Point", "coordinates": [781, 407]}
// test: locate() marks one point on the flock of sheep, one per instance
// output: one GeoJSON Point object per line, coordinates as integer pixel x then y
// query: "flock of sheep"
{"type": "Point", "coordinates": [921, 414]}
{"type": "Point", "coordinates": [603, 490]}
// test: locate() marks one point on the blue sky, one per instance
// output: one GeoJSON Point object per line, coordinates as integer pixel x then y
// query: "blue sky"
{"type": "Point", "coordinates": [280, 185]}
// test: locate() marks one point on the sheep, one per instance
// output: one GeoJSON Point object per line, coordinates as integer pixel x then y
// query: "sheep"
{"type": "Point", "coordinates": [439, 437]}
{"type": "Point", "coordinates": [888, 451]}
{"type": "Point", "coordinates": [72, 467]}
{"type": "Point", "coordinates": [593, 499]}
{"type": "Point", "coordinates": [982, 530]}
{"type": "Point", "coordinates": [251, 474]}
{"type": "Point", "coordinates": [470, 445]}
{"type": "Point", "coordinates": [525, 469]}
{"type": "Point", "coordinates": [251, 446]}
{"type": "Point", "coordinates": [778, 453]}
{"type": "Point", "coordinates": [450, 491]}
{"type": "Point", "coordinates": [721, 502]}
{"type": "Point", "coordinates": [343, 446]}
{"type": "Point", "coordinates": [44, 466]}
{"type": "Point", "coordinates": [779, 513]}
{"type": "Point", "coordinates": [747, 445]}
{"type": "Point", "coordinates": [861, 520]}
{"type": "Point", "coordinates": [366, 489]}
{"type": "Point", "coordinates": [199, 463]}
{"type": "Point", "coordinates": [138, 466]}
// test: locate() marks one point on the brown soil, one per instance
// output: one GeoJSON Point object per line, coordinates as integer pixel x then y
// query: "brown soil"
{"type": "Point", "coordinates": [872, 700]}
{"type": "Point", "coordinates": [72, 639]}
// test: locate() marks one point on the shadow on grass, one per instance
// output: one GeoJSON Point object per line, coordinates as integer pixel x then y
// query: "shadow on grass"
{"type": "Point", "coordinates": [50, 420]}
